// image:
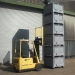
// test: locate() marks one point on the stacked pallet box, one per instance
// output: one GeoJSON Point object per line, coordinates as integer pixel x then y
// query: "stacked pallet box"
{"type": "Point", "coordinates": [53, 35]}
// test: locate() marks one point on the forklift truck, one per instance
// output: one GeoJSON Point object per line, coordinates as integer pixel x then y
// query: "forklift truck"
{"type": "Point", "coordinates": [23, 62]}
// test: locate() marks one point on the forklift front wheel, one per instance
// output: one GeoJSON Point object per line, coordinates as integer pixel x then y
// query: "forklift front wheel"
{"type": "Point", "coordinates": [38, 67]}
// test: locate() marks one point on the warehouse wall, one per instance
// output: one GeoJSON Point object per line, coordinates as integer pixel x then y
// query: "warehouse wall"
{"type": "Point", "coordinates": [69, 5]}
{"type": "Point", "coordinates": [69, 49]}
{"type": "Point", "coordinates": [69, 25]}
{"type": "Point", "coordinates": [15, 19]}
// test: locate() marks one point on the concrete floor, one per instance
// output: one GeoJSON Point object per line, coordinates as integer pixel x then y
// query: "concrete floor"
{"type": "Point", "coordinates": [69, 69]}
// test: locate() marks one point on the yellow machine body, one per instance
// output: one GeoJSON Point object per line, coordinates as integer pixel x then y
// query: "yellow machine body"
{"type": "Point", "coordinates": [25, 63]}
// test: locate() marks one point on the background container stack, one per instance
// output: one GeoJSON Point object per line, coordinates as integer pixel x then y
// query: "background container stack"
{"type": "Point", "coordinates": [53, 36]}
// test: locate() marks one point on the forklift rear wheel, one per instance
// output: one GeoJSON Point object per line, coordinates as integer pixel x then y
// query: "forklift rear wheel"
{"type": "Point", "coordinates": [38, 67]}
{"type": "Point", "coordinates": [19, 71]}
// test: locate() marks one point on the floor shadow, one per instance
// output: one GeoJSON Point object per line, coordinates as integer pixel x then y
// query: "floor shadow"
{"type": "Point", "coordinates": [6, 60]}
{"type": "Point", "coordinates": [11, 69]}
{"type": "Point", "coordinates": [45, 67]}
{"type": "Point", "coordinates": [7, 68]}
{"type": "Point", "coordinates": [0, 64]}
{"type": "Point", "coordinates": [51, 67]}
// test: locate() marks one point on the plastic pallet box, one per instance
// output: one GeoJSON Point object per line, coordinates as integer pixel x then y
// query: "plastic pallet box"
{"type": "Point", "coordinates": [53, 7]}
{"type": "Point", "coordinates": [54, 51]}
{"type": "Point", "coordinates": [54, 29]}
{"type": "Point", "coordinates": [54, 62]}
{"type": "Point", "coordinates": [53, 40]}
{"type": "Point", "coordinates": [53, 18]}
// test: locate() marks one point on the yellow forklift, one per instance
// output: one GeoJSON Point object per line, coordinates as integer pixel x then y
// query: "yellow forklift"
{"type": "Point", "coordinates": [24, 62]}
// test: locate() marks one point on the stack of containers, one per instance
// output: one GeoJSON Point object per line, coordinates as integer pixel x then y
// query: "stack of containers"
{"type": "Point", "coordinates": [53, 36]}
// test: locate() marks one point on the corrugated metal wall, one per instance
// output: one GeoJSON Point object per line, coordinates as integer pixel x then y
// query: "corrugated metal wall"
{"type": "Point", "coordinates": [69, 24]}
{"type": "Point", "coordinates": [12, 19]}
{"type": "Point", "coordinates": [69, 5]}
{"type": "Point", "coordinates": [70, 49]}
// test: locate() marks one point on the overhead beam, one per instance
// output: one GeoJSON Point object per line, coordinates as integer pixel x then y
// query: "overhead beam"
{"type": "Point", "coordinates": [33, 5]}
{"type": "Point", "coordinates": [22, 3]}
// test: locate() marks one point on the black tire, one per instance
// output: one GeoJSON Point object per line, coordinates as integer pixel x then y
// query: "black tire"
{"type": "Point", "coordinates": [62, 66]}
{"type": "Point", "coordinates": [19, 71]}
{"type": "Point", "coordinates": [14, 68]}
{"type": "Point", "coordinates": [52, 67]}
{"type": "Point", "coordinates": [38, 67]}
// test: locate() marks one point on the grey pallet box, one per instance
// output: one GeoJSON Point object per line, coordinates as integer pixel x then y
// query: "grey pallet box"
{"type": "Point", "coordinates": [54, 62]}
{"type": "Point", "coordinates": [54, 51]}
{"type": "Point", "coordinates": [54, 29]}
{"type": "Point", "coordinates": [53, 18]}
{"type": "Point", "coordinates": [54, 40]}
{"type": "Point", "coordinates": [53, 8]}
